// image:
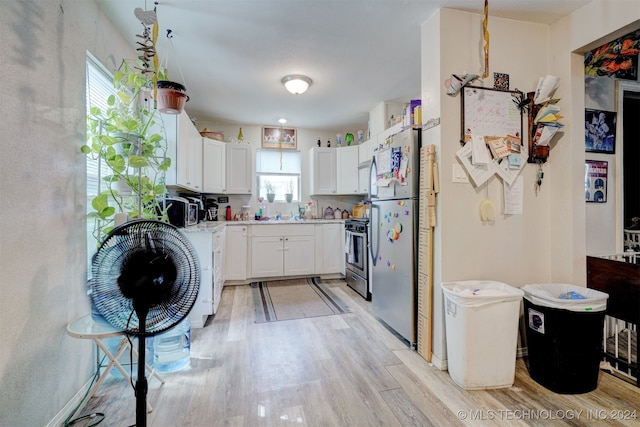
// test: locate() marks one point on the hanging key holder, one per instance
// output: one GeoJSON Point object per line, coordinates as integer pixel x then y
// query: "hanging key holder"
{"type": "Point", "coordinates": [539, 176]}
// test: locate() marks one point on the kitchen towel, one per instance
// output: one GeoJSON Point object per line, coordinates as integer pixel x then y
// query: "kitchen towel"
{"type": "Point", "coordinates": [349, 248]}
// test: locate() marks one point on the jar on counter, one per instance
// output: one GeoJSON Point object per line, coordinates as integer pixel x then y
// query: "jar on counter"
{"type": "Point", "coordinates": [244, 213]}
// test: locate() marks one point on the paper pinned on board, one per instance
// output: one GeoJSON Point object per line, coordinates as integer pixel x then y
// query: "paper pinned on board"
{"type": "Point", "coordinates": [513, 197]}
{"type": "Point", "coordinates": [479, 174]}
{"type": "Point", "coordinates": [546, 86]}
{"type": "Point", "coordinates": [479, 152]}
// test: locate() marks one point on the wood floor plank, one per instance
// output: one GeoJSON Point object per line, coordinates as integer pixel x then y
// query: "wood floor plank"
{"type": "Point", "coordinates": [339, 370]}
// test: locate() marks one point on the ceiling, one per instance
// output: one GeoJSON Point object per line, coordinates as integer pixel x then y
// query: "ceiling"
{"type": "Point", "coordinates": [232, 54]}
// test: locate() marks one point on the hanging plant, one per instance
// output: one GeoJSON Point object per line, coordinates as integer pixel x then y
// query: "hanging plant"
{"type": "Point", "coordinates": [132, 143]}
{"type": "Point", "coordinates": [171, 96]}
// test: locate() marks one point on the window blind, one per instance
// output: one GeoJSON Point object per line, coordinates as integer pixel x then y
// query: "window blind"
{"type": "Point", "coordinates": [99, 86]}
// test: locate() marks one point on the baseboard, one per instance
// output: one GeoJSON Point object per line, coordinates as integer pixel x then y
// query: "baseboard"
{"type": "Point", "coordinates": [522, 352]}
{"type": "Point", "coordinates": [71, 406]}
{"type": "Point", "coordinates": [438, 363]}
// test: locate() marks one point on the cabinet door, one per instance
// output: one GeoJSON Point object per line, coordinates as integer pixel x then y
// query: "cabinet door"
{"type": "Point", "coordinates": [333, 248]}
{"type": "Point", "coordinates": [218, 266]}
{"type": "Point", "coordinates": [266, 256]}
{"type": "Point", "coordinates": [363, 179]}
{"type": "Point", "coordinates": [195, 160]}
{"type": "Point", "coordinates": [299, 255]}
{"type": "Point", "coordinates": [365, 151]}
{"type": "Point", "coordinates": [184, 148]}
{"type": "Point", "coordinates": [347, 165]}
{"type": "Point", "coordinates": [322, 170]}
{"type": "Point", "coordinates": [235, 257]}
{"type": "Point", "coordinates": [203, 307]}
{"type": "Point", "coordinates": [213, 166]}
{"type": "Point", "coordinates": [239, 171]}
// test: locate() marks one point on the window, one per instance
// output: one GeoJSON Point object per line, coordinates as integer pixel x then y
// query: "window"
{"type": "Point", "coordinates": [99, 86]}
{"type": "Point", "coordinates": [278, 171]}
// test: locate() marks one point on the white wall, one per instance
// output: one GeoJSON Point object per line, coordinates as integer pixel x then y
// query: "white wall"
{"type": "Point", "coordinates": [42, 221]}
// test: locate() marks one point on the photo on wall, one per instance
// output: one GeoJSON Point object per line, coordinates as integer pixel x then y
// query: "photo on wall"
{"type": "Point", "coordinates": [595, 181]}
{"type": "Point", "coordinates": [279, 137]}
{"type": "Point", "coordinates": [600, 131]}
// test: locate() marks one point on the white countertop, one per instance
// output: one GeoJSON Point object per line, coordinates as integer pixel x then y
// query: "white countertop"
{"type": "Point", "coordinates": [212, 226]}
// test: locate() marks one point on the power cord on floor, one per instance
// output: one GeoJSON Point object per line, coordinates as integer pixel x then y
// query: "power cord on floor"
{"type": "Point", "coordinates": [87, 420]}
{"type": "Point", "coordinates": [98, 416]}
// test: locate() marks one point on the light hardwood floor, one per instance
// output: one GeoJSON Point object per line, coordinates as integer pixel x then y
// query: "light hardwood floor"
{"type": "Point", "coordinates": [339, 370]}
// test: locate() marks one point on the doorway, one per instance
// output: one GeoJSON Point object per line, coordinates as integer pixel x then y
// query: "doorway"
{"type": "Point", "coordinates": [631, 154]}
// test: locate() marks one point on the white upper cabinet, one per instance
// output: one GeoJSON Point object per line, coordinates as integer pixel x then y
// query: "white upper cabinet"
{"type": "Point", "coordinates": [322, 162]}
{"type": "Point", "coordinates": [184, 148]}
{"type": "Point", "coordinates": [347, 167]}
{"type": "Point", "coordinates": [214, 166]}
{"type": "Point", "coordinates": [365, 150]}
{"type": "Point", "coordinates": [239, 169]}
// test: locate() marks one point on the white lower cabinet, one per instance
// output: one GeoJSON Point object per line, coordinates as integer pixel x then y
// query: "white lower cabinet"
{"type": "Point", "coordinates": [218, 266]}
{"type": "Point", "coordinates": [203, 244]}
{"type": "Point", "coordinates": [282, 250]}
{"type": "Point", "coordinates": [330, 255]}
{"type": "Point", "coordinates": [235, 263]}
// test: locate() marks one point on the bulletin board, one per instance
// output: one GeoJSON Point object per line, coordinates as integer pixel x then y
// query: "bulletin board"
{"type": "Point", "coordinates": [489, 112]}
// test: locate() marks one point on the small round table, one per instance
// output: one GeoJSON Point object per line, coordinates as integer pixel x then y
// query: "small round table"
{"type": "Point", "coordinates": [86, 328]}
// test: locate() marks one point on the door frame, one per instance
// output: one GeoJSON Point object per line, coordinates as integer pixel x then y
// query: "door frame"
{"type": "Point", "coordinates": [621, 87]}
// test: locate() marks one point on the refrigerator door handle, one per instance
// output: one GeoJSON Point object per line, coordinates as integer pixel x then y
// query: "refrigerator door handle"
{"type": "Point", "coordinates": [374, 241]}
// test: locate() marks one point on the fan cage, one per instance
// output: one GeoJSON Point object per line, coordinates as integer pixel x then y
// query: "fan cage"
{"type": "Point", "coordinates": [119, 310]}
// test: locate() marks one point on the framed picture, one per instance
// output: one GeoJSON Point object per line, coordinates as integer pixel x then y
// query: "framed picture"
{"type": "Point", "coordinates": [595, 181]}
{"type": "Point", "coordinates": [277, 137]}
{"type": "Point", "coordinates": [600, 131]}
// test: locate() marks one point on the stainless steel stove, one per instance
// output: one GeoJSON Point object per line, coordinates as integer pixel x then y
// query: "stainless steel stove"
{"type": "Point", "coordinates": [357, 255]}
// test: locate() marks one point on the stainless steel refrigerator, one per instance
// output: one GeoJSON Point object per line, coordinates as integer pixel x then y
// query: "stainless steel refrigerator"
{"type": "Point", "coordinates": [394, 232]}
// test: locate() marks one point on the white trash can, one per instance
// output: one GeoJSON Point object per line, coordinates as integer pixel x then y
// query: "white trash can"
{"type": "Point", "coordinates": [482, 332]}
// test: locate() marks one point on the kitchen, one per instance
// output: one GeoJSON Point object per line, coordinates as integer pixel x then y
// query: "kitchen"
{"type": "Point", "coordinates": [43, 264]}
{"type": "Point", "coordinates": [252, 221]}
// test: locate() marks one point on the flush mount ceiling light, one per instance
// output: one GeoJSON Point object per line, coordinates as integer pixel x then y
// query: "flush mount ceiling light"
{"type": "Point", "coordinates": [296, 83]}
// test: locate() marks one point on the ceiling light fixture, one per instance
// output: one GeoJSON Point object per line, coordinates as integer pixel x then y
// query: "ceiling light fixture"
{"type": "Point", "coordinates": [296, 83]}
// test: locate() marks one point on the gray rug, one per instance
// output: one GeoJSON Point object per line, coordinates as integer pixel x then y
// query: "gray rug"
{"type": "Point", "coordinates": [294, 299]}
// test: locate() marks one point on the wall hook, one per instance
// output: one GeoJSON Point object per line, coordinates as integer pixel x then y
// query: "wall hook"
{"type": "Point", "coordinates": [169, 35]}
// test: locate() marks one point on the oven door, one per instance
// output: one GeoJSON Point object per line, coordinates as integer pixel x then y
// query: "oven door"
{"type": "Point", "coordinates": [356, 256]}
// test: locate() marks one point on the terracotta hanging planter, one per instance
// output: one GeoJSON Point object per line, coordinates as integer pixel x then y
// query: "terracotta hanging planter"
{"type": "Point", "coordinates": [171, 97]}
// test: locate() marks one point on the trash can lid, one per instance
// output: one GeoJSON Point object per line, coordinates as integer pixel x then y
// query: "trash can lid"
{"type": "Point", "coordinates": [474, 293]}
{"type": "Point", "coordinates": [565, 296]}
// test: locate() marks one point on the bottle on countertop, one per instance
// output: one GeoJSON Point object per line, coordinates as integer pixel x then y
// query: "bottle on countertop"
{"type": "Point", "coordinates": [228, 213]}
{"type": "Point", "coordinates": [240, 136]}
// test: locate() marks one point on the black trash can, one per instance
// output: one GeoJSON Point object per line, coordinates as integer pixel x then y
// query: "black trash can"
{"type": "Point", "coordinates": [564, 328]}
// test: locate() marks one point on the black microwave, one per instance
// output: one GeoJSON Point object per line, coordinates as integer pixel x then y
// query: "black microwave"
{"type": "Point", "coordinates": [181, 212]}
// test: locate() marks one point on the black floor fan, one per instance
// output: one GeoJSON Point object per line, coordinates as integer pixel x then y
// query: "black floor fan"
{"type": "Point", "coordinates": [145, 281]}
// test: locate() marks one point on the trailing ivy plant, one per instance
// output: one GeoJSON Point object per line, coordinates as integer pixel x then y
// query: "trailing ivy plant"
{"type": "Point", "coordinates": [129, 137]}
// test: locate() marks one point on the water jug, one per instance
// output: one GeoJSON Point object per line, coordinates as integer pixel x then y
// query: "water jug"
{"type": "Point", "coordinates": [172, 349]}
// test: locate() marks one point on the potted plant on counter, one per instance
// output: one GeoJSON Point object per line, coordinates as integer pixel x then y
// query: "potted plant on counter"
{"type": "Point", "coordinates": [271, 194]}
{"type": "Point", "coordinates": [289, 194]}
{"type": "Point", "coordinates": [129, 139]}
